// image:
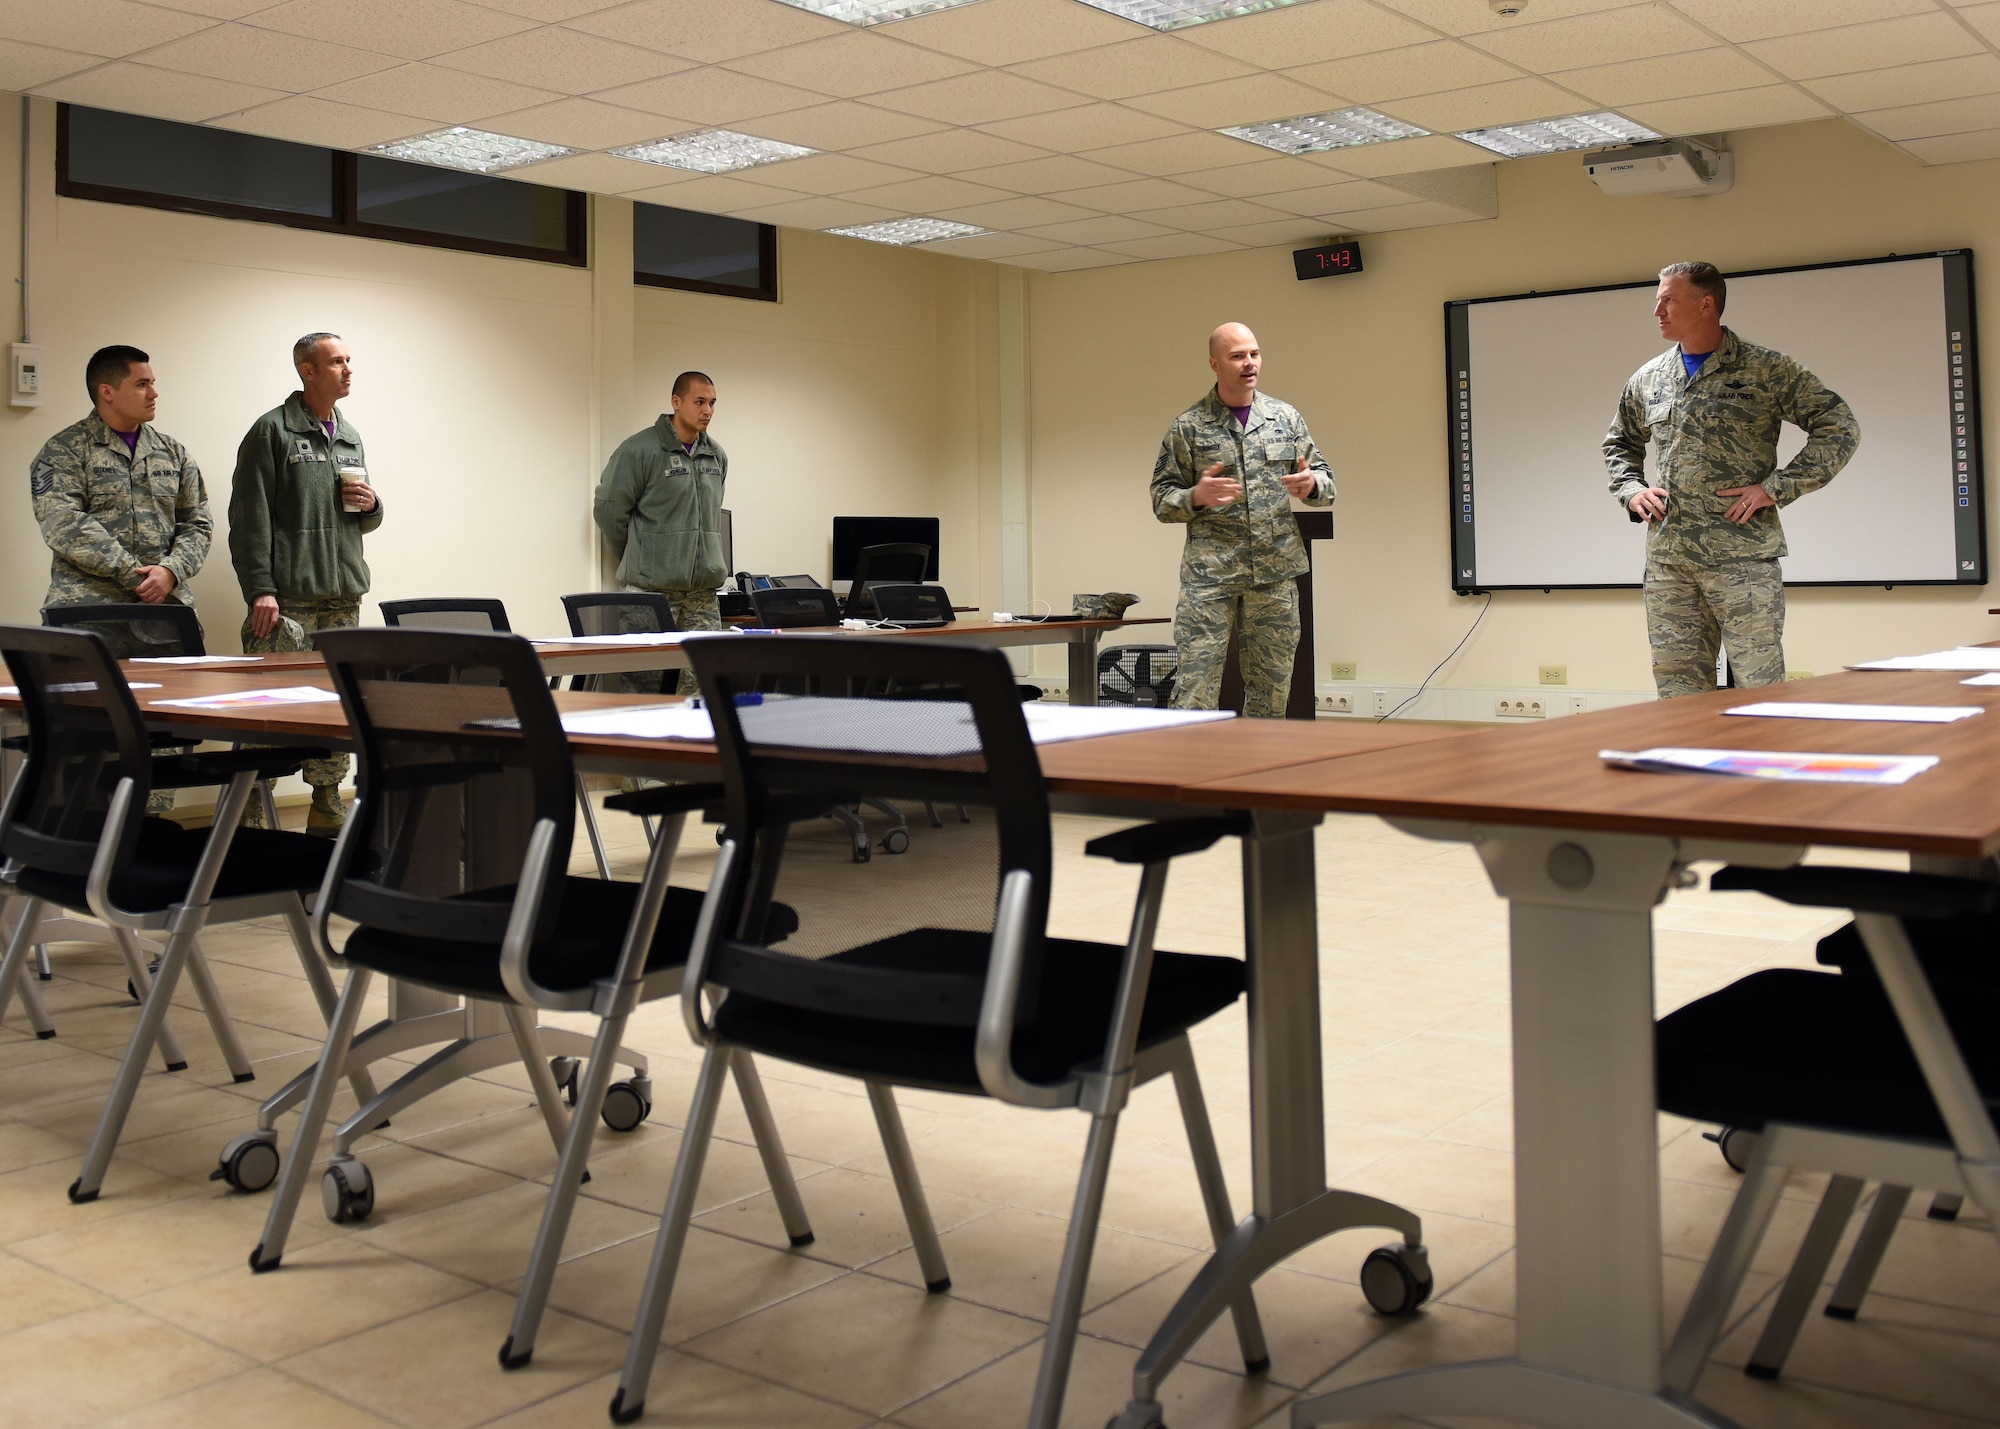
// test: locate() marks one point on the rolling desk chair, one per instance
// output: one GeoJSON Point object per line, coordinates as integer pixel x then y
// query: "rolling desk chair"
{"type": "Point", "coordinates": [948, 982]}
{"type": "Point", "coordinates": [913, 604]}
{"type": "Point", "coordinates": [628, 612]}
{"type": "Point", "coordinates": [454, 726]}
{"type": "Point", "coordinates": [893, 561]}
{"type": "Point", "coordinates": [1887, 1078]}
{"type": "Point", "coordinates": [447, 613]}
{"type": "Point", "coordinates": [76, 836]}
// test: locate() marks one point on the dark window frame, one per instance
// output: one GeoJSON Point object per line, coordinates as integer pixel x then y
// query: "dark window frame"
{"type": "Point", "coordinates": [767, 263]}
{"type": "Point", "coordinates": [346, 187]}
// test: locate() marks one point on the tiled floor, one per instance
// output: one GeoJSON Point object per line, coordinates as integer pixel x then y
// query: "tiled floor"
{"type": "Point", "coordinates": [139, 1310]}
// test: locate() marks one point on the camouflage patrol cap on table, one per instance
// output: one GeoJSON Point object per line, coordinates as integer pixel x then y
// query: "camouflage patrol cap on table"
{"type": "Point", "coordinates": [1111, 606]}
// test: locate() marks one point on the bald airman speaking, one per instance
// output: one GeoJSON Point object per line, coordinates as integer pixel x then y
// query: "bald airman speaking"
{"type": "Point", "coordinates": [1229, 468]}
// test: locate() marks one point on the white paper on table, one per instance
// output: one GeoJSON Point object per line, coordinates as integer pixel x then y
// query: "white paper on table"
{"type": "Point", "coordinates": [1052, 724]}
{"type": "Point", "coordinates": [251, 699]}
{"type": "Point", "coordinates": [1887, 714]}
{"type": "Point", "coordinates": [643, 722]}
{"type": "Point", "coordinates": [938, 729]}
{"type": "Point", "coordinates": [1990, 679]}
{"type": "Point", "coordinates": [1965, 657]}
{"type": "Point", "coordinates": [1803, 766]}
{"type": "Point", "coordinates": [78, 687]}
{"type": "Point", "coordinates": [643, 637]}
{"type": "Point", "coordinates": [196, 659]}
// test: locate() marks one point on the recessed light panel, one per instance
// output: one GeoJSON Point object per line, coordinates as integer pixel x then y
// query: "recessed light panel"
{"type": "Point", "coordinates": [905, 231]}
{"type": "Point", "coordinates": [1179, 14]}
{"type": "Point", "coordinates": [873, 12]}
{"type": "Point", "coordinates": [1315, 133]}
{"type": "Point", "coordinates": [473, 150]}
{"type": "Point", "coordinates": [714, 151]}
{"type": "Point", "coordinates": [1556, 136]}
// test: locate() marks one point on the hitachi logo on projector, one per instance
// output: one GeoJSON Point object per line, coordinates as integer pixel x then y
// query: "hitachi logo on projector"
{"type": "Point", "coordinates": [1679, 168]}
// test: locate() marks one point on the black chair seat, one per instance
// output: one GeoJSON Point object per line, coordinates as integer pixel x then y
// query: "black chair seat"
{"type": "Point", "coordinates": [589, 934]}
{"type": "Point", "coordinates": [1079, 983]}
{"type": "Point", "coordinates": [259, 861]}
{"type": "Point", "coordinates": [1963, 948]}
{"type": "Point", "coordinates": [1812, 1049]}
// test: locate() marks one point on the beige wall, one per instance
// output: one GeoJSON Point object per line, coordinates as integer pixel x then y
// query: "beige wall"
{"type": "Point", "coordinates": [1117, 352]}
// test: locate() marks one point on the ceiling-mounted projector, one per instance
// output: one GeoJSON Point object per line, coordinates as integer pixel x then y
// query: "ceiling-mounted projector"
{"type": "Point", "coordinates": [1681, 168]}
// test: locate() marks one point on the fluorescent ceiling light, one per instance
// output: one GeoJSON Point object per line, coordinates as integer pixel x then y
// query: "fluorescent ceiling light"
{"type": "Point", "coordinates": [473, 150]}
{"type": "Point", "coordinates": [904, 231]}
{"type": "Point", "coordinates": [1556, 136]}
{"type": "Point", "coordinates": [873, 12]}
{"type": "Point", "coordinates": [1314, 133]}
{"type": "Point", "coordinates": [1179, 14]}
{"type": "Point", "coordinates": [713, 151]}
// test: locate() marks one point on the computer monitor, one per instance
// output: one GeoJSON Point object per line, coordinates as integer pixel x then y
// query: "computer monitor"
{"type": "Point", "coordinates": [851, 533]}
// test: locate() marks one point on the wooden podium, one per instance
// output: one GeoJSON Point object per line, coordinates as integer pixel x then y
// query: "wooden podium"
{"type": "Point", "coordinates": [1313, 526]}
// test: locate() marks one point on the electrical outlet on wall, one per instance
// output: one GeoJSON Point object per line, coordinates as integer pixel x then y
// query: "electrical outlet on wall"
{"type": "Point", "coordinates": [1342, 670]}
{"type": "Point", "coordinates": [1552, 674]}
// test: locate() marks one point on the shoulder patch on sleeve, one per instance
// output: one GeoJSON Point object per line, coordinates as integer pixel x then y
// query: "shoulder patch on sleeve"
{"type": "Point", "coordinates": [41, 477]}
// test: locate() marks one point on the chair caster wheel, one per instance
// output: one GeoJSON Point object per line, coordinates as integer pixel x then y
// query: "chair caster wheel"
{"type": "Point", "coordinates": [347, 1192]}
{"type": "Point", "coordinates": [1139, 1414]}
{"type": "Point", "coordinates": [1396, 1279]}
{"type": "Point", "coordinates": [1727, 1142]}
{"type": "Point", "coordinates": [626, 1104]}
{"type": "Point", "coordinates": [896, 841]}
{"type": "Point", "coordinates": [564, 1070]}
{"type": "Point", "coordinates": [249, 1163]}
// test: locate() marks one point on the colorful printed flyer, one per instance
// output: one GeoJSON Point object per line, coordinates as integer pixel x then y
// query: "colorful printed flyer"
{"type": "Point", "coordinates": [1776, 764]}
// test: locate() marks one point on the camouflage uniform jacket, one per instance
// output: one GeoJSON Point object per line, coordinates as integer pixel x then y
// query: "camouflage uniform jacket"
{"type": "Point", "coordinates": [1717, 429]}
{"type": "Point", "coordinates": [660, 507]}
{"type": "Point", "coordinates": [1254, 540]}
{"type": "Point", "coordinates": [105, 512]}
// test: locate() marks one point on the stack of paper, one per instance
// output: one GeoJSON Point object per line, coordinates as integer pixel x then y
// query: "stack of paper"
{"type": "Point", "coordinates": [1776, 764]}
{"type": "Point", "coordinates": [196, 659]}
{"type": "Point", "coordinates": [1887, 714]}
{"type": "Point", "coordinates": [1965, 657]}
{"type": "Point", "coordinates": [253, 699]}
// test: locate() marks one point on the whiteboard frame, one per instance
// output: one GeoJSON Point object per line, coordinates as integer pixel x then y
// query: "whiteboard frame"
{"type": "Point", "coordinates": [1961, 316]}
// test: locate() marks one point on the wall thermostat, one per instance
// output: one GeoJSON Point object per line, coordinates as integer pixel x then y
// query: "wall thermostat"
{"type": "Point", "coordinates": [26, 363]}
{"type": "Point", "coordinates": [1327, 261]}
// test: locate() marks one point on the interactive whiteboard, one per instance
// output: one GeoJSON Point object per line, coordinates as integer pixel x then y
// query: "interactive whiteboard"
{"type": "Point", "coordinates": [1533, 383]}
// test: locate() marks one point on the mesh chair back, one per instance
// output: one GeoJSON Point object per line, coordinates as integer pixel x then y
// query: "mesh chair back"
{"type": "Point", "coordinates": [899, 561]}
{"type": "Point", "coordinates": [794, 609]}
{"type": "Point", "coordinates": [928, 916]}
{"type": "Point", "coordinates": [619, 612]}
{"type": "Point", "coordinates": [447, 613]}
{"type": "Point", "coordinates": [85, 734]}
{"type": "Point", "coordinates": [460, 756]}
{"type": "Point", "coordinates": [168, 628]}
{"type": "Point", "coordinates": [909, 603]}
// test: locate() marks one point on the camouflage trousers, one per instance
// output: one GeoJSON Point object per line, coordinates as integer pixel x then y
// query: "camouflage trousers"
{"type": "Point", "coordinates": [297, 620]}
{"type": "Point", "coordinates": [1691, 609]}
{"type": "Point", "coordinates": [1265, 621]}
{"type": "Point", "coordinates": [693, 610]}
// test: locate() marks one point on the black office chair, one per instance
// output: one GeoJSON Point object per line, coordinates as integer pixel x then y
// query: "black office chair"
{"type": "Point", "coordinates": [168, 628]}
{"type": "Point", "coordinates": [447, 613]}
{"type": "Point", "coordinates": [75, 836]}
{"type": "Point", "coordinates": [625, 612]}
{"type": "Point", "coordinates": [1890, 1077]}
{"type": "Point", "coordinates": [913, 603]}
{"type": "Point", "coordinates": [795, 607]}
{"type": "Point", "coordinates": [943, 977]}
{"type": "Point", "coordinates": [452, 867]}
{"type": "Point", "coordinates": [891, 561]}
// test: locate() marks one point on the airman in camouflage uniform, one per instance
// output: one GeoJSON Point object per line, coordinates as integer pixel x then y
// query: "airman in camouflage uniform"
{"type": "Point", "coordinates": [1231, 481]}
{"type": "Point", "coordinates": [1712, 551]}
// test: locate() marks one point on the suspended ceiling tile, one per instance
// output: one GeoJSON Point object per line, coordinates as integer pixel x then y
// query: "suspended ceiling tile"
{"type": "Point", "coordinates": [447, 95]}
{"type": "Point", "coordinates": [928, 194]}
{"type": "Point", "coordinates": [1213, 215]}
{"type": "Point", "coordinates": [1306, 34]}
{"type": "Point", "coordinates": [1631, 33]}
{"type": "Point", "coordinates": [163, 94]}
{"type": "Point", "coordinates": [567, 60]}
{"type": "Point", "coordinates": [820, 213]}
{"type": "Point", "coordinates": [1350, 195]}
{"type": "Point", "coordinates": [1474, 188]}
{"type": "Point", "coordinates": [579, 124]}
{"type": "Point", "coordinates": [550, 12]}
{"type": "Point", "coordinates": [214, 9]}
{"type": "Point", "coordinates": [718, 193]}
{"type": "Point", "coordinates": [1907, 40]}
{"type": "Point", "coordinates": [1740, 20]}
{"type": "Point", "coordinates": [1910, 84]}
{"type": "Point", "coordinates": [1050, 175]}
{"type": "Point", "coordinates": [1016, 213]}
{"type": "Point", "coordinates": [22, 67]}
{"type": "Point", "coordinates": [710, 96]}
{"type": "Point", "coordinates": [992, 245]}
{"type": "Point", "coordinates": [1086, 127]}
{"type": "Point", "coordinates": [1069, 260]}
{"type": "Point", "coordinates": [1513, 101]}
{"type": "Point", "coordinates": [1983, 18]}
{"type": "Point", "coordinates": [305, 119]}
{"type": "Point", "coordinates": [1396, 74]}
{"type": "Point", "coordinates": [1956, 148]}
{"type": "Point", "coordinates": [1743, 109]}
{"type": "Point", "coordinates": [1103, 228]}
{"type": "Point", "coordinates": [593, 173]}
{"type": "Point", "coordinates": [1931, 121]}
{"type": "Point", "coordinates": [1005, 32]}
{"type": "Point", "coordinates": [1179, 154]}
{"type": "Point", "coordinates": [841, 173]}
{"type": "Point", "coordinates": [1401, 156]}
{"type": "Point", "coordinates": [1237, 101]}
{"type": "Point", "coordinates": [265, 57]}
{"type": "Point", "coordinates": [1463, 17]}
{"type": "Point", "coordinates": [1141, 66]}
{"type": "Point", "coordinates": [1174, 245]}
{"type": "Point", "coordinates": [978, 98]}
{"type": "Point", "coordinates": [1401, 216]}
{"type": "Point", "coordinates": [1135, 194]}
{"type": "Point", "coordinates": [1668, 77]}
{"type": "Point", "coordinates": [1278, 233]}
{"type": "Point", "coordinates": [842, 124]}
{"type": "Point", "coordinates": [96, 27]}
{"type": "Point", "coordinates": [709, 31]}
{"type": "Point", "coordinates": [1266, 176]}
{"type": "Point", "coordinates": [411, 29]}
{"type": "Point", "coordinates": [950, 151]}
{"type": "Point", "coordinates": [860, 62]}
